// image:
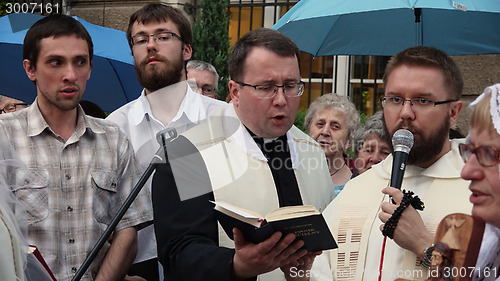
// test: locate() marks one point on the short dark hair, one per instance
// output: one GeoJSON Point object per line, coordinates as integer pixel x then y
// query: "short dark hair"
{"type": "Point", "coordinates": [161, 12]}
{"type": "Point", "coordinates": [270, 39]}
{"type": "Point", "coordinates": [54, 25]}
{"type": "Point", "coordinates": [432, 57]}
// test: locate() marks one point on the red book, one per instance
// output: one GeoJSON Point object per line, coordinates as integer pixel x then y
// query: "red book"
{"type": "Point", "coordinates": [34, 250]}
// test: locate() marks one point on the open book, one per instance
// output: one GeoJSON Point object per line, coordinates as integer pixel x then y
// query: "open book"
{"type": "Point", "coordinates": [305, 221]}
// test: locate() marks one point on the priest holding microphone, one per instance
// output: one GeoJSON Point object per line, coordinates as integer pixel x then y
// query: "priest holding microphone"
{"type": "Point", "coordinates": [385, 232]}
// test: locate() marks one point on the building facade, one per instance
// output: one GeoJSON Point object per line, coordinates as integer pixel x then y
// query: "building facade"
{"type": "Point", "coordinates": [359, 77]}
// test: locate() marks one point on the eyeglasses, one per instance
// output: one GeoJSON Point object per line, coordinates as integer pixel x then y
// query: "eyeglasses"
{"type": "Point", "coordinates": [159, 38]}
{"type": "Point", "coordinates": [269, 91]}
{"type": "Point", "coordinates": [418, 103]}
{"type": "Point", "coordinates": [207, 90]}
{"type": "Point", "coordinates": [11, 107]}
{"type": "Point", "coordinates": [487, 156]}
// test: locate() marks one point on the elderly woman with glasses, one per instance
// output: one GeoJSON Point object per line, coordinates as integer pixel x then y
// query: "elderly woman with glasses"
{"type": "Point", "coordinates": [482, 168]}
{"type": "Point", "coordinates": [331, 120]}
{"type": "Point", "coordinates": [371, 144]}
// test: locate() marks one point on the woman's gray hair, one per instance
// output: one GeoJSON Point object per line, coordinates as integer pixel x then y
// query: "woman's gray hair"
{"type": "Point", "coordinates": [337, 102]}
{"type": "Point", "coordinates": [373, 125]}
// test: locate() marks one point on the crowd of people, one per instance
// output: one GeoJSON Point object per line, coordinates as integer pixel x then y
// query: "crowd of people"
{"type": "Point", "coordinates": [66, 167]}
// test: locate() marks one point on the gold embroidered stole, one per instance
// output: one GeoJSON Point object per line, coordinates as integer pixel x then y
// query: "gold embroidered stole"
{"type": "Point", "coordinates": [357, 212]}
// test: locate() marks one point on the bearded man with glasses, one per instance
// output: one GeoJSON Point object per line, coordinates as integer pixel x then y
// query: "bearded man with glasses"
{"type": "Point", "coordinates": [422, 94]}
{"type": "Point", "coordinates": [160, 39]}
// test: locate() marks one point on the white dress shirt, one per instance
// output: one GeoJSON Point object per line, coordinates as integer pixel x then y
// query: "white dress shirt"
{"type": "Point", "coordinates": [137, 120]}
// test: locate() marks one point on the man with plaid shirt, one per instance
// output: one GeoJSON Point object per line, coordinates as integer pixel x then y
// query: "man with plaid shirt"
{"type": "Point", "coordinates": [85, 167]}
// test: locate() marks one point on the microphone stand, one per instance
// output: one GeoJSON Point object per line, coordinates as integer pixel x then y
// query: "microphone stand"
{"type": "Point", "coordinates": [157, 159]}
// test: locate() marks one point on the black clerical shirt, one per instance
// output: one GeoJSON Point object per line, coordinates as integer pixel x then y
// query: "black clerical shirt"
{"type": "Point", "coordinates": [187, 230]}
{"type": "Point", "coordinates": [277, 153]}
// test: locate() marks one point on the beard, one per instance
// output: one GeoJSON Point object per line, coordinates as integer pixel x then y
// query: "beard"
{"type": "Point", "coordinates": [160, 75]}
{"type": "Point", "coordinates": [425, 148]}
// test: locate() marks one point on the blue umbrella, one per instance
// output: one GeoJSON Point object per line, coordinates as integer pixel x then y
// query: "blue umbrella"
{"type": "Point", "coordinates": [385, 27]}
{"type": "Point", "coordinates": [113, 81]}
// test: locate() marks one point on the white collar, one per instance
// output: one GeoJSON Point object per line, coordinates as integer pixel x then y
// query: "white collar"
{"type": "Point", "coordinates": [243, 138]}
{"type": "Point", "coordinates": [446, 167]}
{"type": "Point", "coordinates": [191, 107]}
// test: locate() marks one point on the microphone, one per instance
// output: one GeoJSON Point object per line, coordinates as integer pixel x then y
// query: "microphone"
{"type": "Point", "coordinates": [163, 137]}
{"type": "Point", "coordinates": [166, 134]}
{"type": "Point", "coordinates": [402, 142]}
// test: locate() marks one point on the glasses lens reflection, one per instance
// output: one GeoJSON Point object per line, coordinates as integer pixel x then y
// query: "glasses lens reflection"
{"type": "Point", "coordinates": [486, 155]}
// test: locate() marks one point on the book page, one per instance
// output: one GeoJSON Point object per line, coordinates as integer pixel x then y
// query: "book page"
{"type": "Point", "coordinates": [291, 212]}
{"type": "Point", "coordinates": [224, 207]}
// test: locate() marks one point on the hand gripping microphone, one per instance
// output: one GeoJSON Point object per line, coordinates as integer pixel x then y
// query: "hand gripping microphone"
{"type": "Point", "coordinates": [402, 142]}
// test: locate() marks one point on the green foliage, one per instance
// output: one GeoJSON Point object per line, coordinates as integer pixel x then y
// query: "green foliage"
{"type": "Point", "coordinates": [3, 7]}
{"type": "Point", "coordinates": [365, 96]}
{"type": "Point", "coordinates": [299, 119]}
{"type": "Point", "coordinates": [211, 39]}
{"type": "Point", "coordinates": [363, 116]}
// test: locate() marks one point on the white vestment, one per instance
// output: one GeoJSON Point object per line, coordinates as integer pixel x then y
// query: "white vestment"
{"type": "Point", "coordinates": [353, 219]}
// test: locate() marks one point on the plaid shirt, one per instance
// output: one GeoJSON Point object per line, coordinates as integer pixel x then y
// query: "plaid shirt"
{"type": "Point", "coordinates": [77, 186]}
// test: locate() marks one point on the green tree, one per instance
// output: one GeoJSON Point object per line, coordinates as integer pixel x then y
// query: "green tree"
{"type": "Point", "coordinates": [211, 39]}
{"type": "Point", "coordinates": [299, 119]}
{"type": "Point", "coordinates": [3, 7]}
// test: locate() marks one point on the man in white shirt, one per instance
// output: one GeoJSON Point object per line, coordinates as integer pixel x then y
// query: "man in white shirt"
{"type": "Point", "coordinates": [160, 38]}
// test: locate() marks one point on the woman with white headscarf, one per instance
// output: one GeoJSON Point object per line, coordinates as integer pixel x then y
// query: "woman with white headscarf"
{"type": "Point", "coordinates": [481, 154]}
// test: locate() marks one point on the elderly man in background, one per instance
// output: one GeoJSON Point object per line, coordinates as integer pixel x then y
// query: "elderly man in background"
{"type": "Point", "coordinates": [204, 76]}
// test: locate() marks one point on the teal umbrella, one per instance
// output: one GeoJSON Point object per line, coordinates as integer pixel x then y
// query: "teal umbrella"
{"type": "Point", "coordinates": [113, 81]}
{"type": "Point", "coordinates": [385, 27]}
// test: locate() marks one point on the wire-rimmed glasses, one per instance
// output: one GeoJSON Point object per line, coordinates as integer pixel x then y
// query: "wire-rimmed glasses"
{"type": "Point", "coordinates": [269, 91]}
{"type": "Point", "coordinates": [163, 37]}
{"type": "Point", "coordinates": [487, 156]}
{"type": "Point", "coordinates": [11, 107]}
